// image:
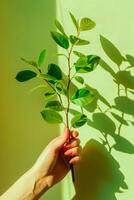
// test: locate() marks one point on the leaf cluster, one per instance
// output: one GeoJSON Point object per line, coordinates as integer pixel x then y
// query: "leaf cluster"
{"type": "Point", "coordinates": [54, 109]}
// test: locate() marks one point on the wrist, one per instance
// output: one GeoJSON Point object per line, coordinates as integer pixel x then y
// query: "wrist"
{"type": "Point", "coordinates": [40, 185]}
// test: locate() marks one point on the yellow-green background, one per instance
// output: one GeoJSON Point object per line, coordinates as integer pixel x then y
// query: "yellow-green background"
{"type": "Point", "coordinates": [24, 31]}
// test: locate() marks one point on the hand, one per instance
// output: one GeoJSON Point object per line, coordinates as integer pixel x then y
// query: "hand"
{"type": "Point", "coordinates": [54, 162]}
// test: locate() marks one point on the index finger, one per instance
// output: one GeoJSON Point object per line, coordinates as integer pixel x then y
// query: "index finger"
{"type": "Point", "coordinates": [74, 134]}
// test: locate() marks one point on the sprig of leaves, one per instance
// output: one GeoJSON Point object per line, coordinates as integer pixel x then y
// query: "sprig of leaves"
{"type": "Point", "coordinates": [54, 75]}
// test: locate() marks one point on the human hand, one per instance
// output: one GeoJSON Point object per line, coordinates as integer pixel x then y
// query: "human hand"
{"type": "Point", "coordinates": [54, 162]}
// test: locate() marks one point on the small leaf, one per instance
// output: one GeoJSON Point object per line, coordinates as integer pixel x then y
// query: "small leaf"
{"type": "Point", "coordinates": [60, 88]}
{"type": "Point", "coordinates": [93, 61]}
{"type": "Point", "coordinates": [33, 63]}
{"type": "Point", "coordinates": [60, 27]}
{"type": "Point", "coordinates": [49, 95]}
{"type": "Point", "coordinates": [74, 112]}
{"type": "Point", "coordinates": [123, 145]}
{"type": "Point", "coordinates": [87, 63]}
{"type": "Point", "coordinates": [54, 105]}
{"type": "Point", "coordinates": [51, 116]}
{"type": "Point", "coordinates": [79, 54]}
{"type": "Point", "coordinates": [82, 97]}
{"type": "Point", "coordinates": [25, 75]}
{"type": "Point", "coordinates": [78, 120]}
{"type": "Point", "coordinates": [60, 39]}
{"type": "Point", "coordinates": [74, 21]}
{"type": "Point", "coordinates": [86, 24]}
{"type": "Point", "coordinates": [79, 79]}
{"type": "Point", "coordinates": [112, 52]}
{"type": "Point", "coordinates": [77, 41]}
{"type": "Point", "coordinates": [54, 71]}
{"type": "Point", "coordinates": [61, 54]}
{"type": "Point", "coordinates": [41, 58]}
{"type": "Point", "coordinates": [37, 87]}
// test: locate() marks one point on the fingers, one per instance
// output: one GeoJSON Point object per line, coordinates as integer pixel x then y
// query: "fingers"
{"type": "Point", "coordinates": [73, 134]}
{"type": "Point", "coordinates": [73, 149]}
{"type": "Point", "coordinates": [59, 141]}
{"type": "Point", "coordinates": [73, 143]}
{"type": "Point", "coordinates": [75, 160]}
{"type": "Point", "coordinates": [74, 154]}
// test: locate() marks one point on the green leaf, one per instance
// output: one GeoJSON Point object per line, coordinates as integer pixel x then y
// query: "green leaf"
{"type": "Point", "coordinates": [41, 58]}
{"type": "Point", "coordinates": [60, 88]}
{"type": "Point", "coordinates": [49, 95]}
{"type": "Point", "coordinates": [123, 145]}
{"type": "Point", "coordinates": [33, 63]}
{"type": "Point", "coordinates": [78, 120]}
{"type": "Point", "coordinates": [49, 77]}
{"type": "Point", "coordinates": [74, 21]}
{"type": "Point", "coordinates": [112, 52]}
{"type": "Point", "coordinates": [77, 41]}
{"type": "Point", "coordinates": [82, 97]}
{"type": "Point", "coordinates": [60, 27]}
{"type": "Point", "coordinates": [60, 39]}
{"type": "Point", "coordinates": [51, 116]}
{"type": "Point", "coordinates": [54, 105]}
{"type": "Point", "coordinates": [79, 79]}
{"type": "Point", "coordinates": [25, 75]}
{"type": "Point", "coordinates": [87, 63]}
{"type": "Point", "coordinates": [38, 86]}
{"type": "Point", "coordinates": [79, 54]}
{"type": "Point", "coordinates": [74, 112]}
{"type": "Point", "coordinates": [86, 24]}
{"type": "Point", "coordinates": [54, 71]}
{"type": "Point", "coordinates": [93, 61]}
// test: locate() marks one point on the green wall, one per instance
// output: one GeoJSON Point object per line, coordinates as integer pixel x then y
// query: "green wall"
{"type": "Point", "coordinates": [101, 175]}
{"type": "Point", "coordinates": [24, 29]}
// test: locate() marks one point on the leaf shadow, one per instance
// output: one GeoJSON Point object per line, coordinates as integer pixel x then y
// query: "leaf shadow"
{"type": "Point", "coordinates": [124, 104]}
{"type": "Point", "coordinates": [93, 105]}
{"type": "Point", "coordinates": [102, 123]}
{"type": "Point", "coordinates": [101, 173]}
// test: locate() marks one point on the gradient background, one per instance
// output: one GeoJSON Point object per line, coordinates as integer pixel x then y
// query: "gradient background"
{"type": "Point", "coordinates": [24, 30]}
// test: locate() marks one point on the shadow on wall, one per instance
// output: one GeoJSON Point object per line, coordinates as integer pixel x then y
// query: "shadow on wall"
{"type": "Point", "coordinates": [103, 177]}
{"type": "Point", "coordinates": [98, 176]}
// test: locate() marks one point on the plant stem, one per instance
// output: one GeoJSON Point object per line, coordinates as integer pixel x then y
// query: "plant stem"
{"type": "Point", "coordinates": [68, 103]}
{"type": "Point", "coordinates": [68, 85]}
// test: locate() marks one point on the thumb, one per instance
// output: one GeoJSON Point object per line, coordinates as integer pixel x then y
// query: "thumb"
{"type": "Point", "coordinates": [62, 139]}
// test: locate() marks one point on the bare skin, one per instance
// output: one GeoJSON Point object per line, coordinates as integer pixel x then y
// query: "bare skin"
{"type": "Point", "coordinates": [50, 168]}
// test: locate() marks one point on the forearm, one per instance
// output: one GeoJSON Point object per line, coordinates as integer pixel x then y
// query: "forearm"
{"type": "Point", "coordinates": [29, 187]}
